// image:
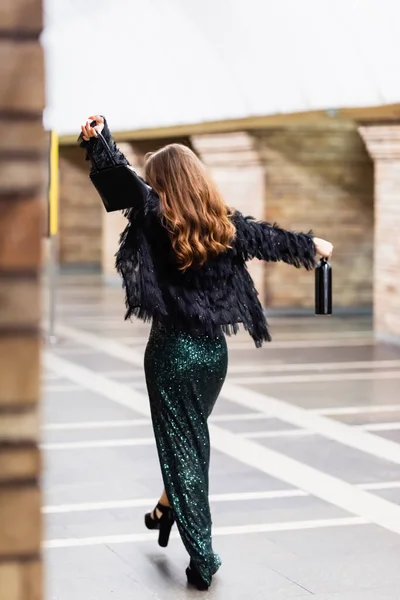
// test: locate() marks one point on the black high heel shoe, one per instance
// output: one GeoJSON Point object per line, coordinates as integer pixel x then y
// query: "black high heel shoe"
{"type": "Point", "coordinates": [194, 578]}
{"type": "Point", "coordinates": [163, 523]}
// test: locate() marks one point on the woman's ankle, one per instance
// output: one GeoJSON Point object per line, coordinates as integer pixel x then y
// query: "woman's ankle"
{"type": "Point", "coordinates": [157, 512]}
{"type": "Point", "coordinates": [164, 500]}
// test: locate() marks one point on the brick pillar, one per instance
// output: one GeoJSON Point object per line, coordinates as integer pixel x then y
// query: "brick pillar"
{"type": "Point", "coordinates": [320, 178]}
{"type": "Point", "coordinates": [383, 143]}
{"type": "Point", "coordinates": [236, 168]}
{"type": "Point", "coordinates": [22, 169]}
{"type": "Point", "coordinates": [114, 223]}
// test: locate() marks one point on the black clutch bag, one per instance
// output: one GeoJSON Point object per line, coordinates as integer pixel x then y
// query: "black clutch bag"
{"type": "Point", "coordinates": [118, 185]}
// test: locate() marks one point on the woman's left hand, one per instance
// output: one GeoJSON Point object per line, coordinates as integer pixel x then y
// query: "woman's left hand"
{"type": "Point", "coordinates": [88, 131]}
{"type": "Point", "coordinates": [323, 248]}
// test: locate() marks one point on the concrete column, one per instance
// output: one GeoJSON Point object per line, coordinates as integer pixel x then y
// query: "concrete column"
{"type": "Point", "coordinates": [237, 169]}
{"type": "Point", "coordinates": [383, 143]}
{"type": "Point", "coordinates": [23, 148]}
{"type": "Point", "coordinates": [114, 223]}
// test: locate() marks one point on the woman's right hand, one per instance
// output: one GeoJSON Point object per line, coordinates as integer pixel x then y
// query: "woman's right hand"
{"type": "Point", "coordinates": [88, 131]}
{"type": "Point", "coordinates": [323, 248]}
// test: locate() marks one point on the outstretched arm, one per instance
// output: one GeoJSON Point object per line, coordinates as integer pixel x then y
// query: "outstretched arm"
{"type": "Point", "coordinates": [257, 239]}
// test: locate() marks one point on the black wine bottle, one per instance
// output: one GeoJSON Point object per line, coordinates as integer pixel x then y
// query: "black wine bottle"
{"type": "Point", "coordinates": [323, 288]}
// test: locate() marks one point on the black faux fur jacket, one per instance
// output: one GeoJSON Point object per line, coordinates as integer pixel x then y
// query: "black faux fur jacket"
{"type": "Point", "coordinates": [219, 295]}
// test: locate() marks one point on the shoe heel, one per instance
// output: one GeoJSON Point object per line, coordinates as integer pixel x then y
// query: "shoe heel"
{"type": "Point", "coordinates": [165, 530]}
{"type": "Point", "coordinates": [163, 523]}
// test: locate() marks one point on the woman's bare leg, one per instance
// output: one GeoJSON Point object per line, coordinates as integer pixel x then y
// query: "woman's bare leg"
{"type": "Point", "coordinates": [164, 499]}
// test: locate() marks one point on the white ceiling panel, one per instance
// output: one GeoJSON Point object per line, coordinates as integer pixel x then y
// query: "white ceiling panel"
{"type": "Point", "coordinates": [152, 63]}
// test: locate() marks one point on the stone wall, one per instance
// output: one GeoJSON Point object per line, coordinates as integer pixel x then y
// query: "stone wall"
{"type": "Point", "coordinates": [320, 178]}
{"type": "Point", "coordinates": [22, 167]}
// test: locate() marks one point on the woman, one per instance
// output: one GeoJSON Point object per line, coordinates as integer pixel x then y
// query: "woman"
{"type": "Point", "coordinates": [183, 258]}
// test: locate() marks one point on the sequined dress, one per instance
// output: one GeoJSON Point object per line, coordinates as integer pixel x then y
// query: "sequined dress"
{"type": "Point", "coordinates": [184, 375]}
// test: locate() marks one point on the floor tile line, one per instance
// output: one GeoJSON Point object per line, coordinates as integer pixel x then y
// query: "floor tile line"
{"type": "Point", "coordinates": [146, 502]}
{"type": "Point", "coordinates": [297, 344]}
{"type": "Point", "coordinates": [47, 377]}
{"type": "Point", "coordinates": [267, 433]}
{"type": "Point", "coordinates": [55, 388]}
{"type": "Point", "coordinates": [253, 435]}
{"type": "Point", "coordinates": [325, 366]}
{"type": "Point", "coordinates": [355, 410]}
{"type": "Point", "coordinates": [250, 416]}
{"type": "Point", "coordinates": [78, 351]}
{"type": "Point", "coordinates": [82, 445]}
{"type": "Point", "coordinates": [115, 442]}
{"type": "Point", "coordinates": [123, 374]}
{"type": "Point", "coordinates": [217, 531]}
{"type": "Point", "coordinates": [380, 485]}
{"type": "Point", "coordinates": [228, 418]}
{"type": "Point", "coordinates": [95, 425]}
{"type": "Point", "coordinates": [265, 370]}
{"type": "Point", "coordinates": [315, 377]}
{"type": "Point", "coordinates": [393, 426]}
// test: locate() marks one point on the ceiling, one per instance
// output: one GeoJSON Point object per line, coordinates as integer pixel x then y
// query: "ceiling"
{"type": "Point", "coordinates": [155, 64]}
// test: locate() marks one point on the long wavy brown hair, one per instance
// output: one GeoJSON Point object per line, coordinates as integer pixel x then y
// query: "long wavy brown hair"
{"type": "Point", "coordinates": [193, 210]}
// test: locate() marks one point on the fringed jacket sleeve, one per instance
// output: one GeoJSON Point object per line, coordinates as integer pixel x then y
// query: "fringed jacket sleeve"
{"type": "Point", "coordinates": [257, 239]}
{"type": "Point", "coordinates": [96, 153]}
{"type": "Point", "coordinates": [98, 156]}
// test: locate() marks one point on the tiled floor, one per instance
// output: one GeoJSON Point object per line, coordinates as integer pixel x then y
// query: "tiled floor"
{"type": "Point", "coordinates": [305, 474]}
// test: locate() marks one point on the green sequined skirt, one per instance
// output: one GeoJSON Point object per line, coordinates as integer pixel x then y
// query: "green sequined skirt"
{"type": "Point", "coordinates": [184, 376]}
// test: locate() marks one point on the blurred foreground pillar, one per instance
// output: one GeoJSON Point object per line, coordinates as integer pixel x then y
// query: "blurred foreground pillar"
{"type": "Point", "coordinates": [383, 143]}
{"type": "Point", "coordinates": [236, 167]}
{"type": "Point", "coordinates": [22, 147]}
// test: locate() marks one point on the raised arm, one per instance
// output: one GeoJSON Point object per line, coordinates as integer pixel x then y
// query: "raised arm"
{"type": "Point", "coordinates": [100, 159]}
{"type": "Point", "coordinates": [257, 239]}
{"type": "Point", "coordinates": [95, 152]}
